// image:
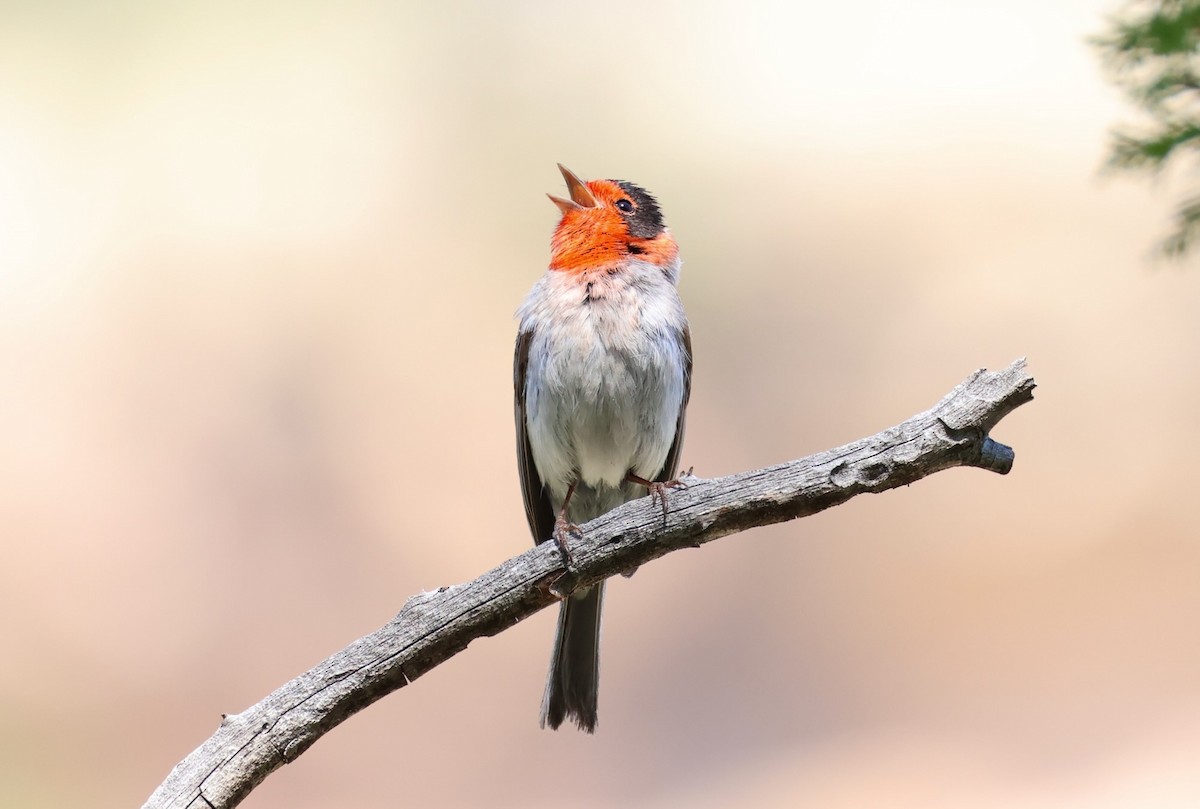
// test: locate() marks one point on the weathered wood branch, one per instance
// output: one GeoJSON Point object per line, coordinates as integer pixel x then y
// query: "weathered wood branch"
{"type": "Point", "coordinates": [433, 626]}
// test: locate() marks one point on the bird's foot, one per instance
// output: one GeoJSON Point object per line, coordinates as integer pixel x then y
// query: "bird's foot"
{"type": "Point", "coordinates": [563, 529]}
{"type": "Point", "coordinates": [658, 489]}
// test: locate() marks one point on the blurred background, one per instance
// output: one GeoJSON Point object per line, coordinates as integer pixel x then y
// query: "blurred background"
{"type": "Point", "coordinates": [258, 269]}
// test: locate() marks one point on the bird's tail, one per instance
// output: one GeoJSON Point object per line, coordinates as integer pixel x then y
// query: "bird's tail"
{"type": "Point", "coordinates": [575, 666]}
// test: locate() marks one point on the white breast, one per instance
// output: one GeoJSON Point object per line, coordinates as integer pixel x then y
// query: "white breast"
{"type": "Point", "coordinates": [605, 380]}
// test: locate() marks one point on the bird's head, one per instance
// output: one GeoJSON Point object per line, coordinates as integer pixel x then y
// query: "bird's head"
{"type": "Point", "coordinates": [608, 222]}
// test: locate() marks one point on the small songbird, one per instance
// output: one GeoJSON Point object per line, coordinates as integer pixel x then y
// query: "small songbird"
{"type": "Point", "coordinates": [602, 374]}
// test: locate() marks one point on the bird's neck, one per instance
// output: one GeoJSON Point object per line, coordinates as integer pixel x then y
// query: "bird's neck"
{"type": "Point", "coordinates": [576, 251]}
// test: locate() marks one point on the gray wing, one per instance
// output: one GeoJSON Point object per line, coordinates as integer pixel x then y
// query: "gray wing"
{"type": "Point", "coordinates": [670, 467]}
{"type": "Point", "coordinates": [538, 509]}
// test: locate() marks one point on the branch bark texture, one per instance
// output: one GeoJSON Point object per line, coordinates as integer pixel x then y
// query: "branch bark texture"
{"type": "Point", "coordinates": [433, 626]}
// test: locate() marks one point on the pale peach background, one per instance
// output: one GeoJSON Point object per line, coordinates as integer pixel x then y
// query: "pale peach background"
{"type": "Point", "coordinates": [258, 264]}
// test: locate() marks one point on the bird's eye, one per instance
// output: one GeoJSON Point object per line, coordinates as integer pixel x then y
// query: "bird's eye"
{"type": "Point", "coordinates": [624, 205]}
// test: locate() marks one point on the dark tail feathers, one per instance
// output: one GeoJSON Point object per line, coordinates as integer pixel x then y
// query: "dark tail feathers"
{"type": "Point", "coordinates": [575, 666]}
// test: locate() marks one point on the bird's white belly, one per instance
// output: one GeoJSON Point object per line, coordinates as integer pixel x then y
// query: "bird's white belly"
{"type": "Point", "coordinates": [621, 430]}
{"type": "Point", "coordinates": [601, 413]}
{"type": "Point", "coordinates": [605, 381]}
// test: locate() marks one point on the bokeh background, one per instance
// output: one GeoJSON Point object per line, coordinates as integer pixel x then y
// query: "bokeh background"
{"type": "Point", "coordinates": [258, 265]}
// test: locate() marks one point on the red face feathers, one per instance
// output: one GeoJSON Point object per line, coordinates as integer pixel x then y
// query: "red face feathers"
{"type": "Point", "coordinates": [605, 223]}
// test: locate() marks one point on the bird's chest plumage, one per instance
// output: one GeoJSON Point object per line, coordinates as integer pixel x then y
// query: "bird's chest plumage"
{"type": "Point", "coordinates": [605, 381]}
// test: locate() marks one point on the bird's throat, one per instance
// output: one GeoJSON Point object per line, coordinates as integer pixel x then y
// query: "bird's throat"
{"type": "Point", "coordinates": [577, 251]}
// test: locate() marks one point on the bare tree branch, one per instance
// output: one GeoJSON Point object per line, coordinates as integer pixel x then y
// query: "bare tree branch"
{"type": "Point", "coordinates": [432, 627]}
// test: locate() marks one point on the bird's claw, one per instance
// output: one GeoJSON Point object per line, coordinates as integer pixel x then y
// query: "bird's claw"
{"type": "Point", "coordinates": [562, 531]}
{"type": "Point", "coordinates": [658, 491]}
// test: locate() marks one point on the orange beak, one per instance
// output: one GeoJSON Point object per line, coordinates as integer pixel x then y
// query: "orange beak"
{"type": "Point", "coordinates": [581, 197]}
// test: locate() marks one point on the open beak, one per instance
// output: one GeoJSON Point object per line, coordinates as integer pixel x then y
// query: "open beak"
{"type": "Point", "coordinates": [581, 197]}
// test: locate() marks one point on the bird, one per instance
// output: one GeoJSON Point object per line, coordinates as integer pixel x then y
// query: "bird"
{"type": "Point", "coordinates": [602, 376]}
